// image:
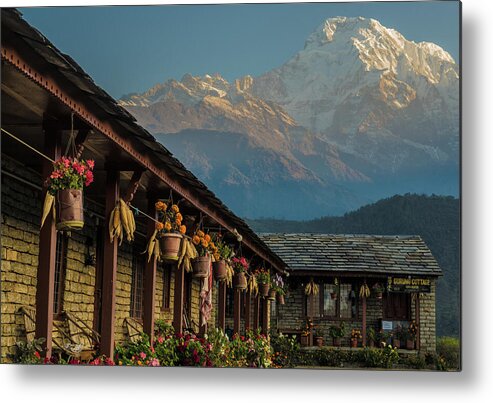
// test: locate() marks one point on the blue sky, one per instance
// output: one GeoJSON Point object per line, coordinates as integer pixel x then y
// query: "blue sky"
{"type": "Point", "coordinates": [129, 49]}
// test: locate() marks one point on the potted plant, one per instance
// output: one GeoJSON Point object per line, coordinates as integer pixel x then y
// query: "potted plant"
{"type": "Point", "coordinates": [381, 338]}
{"type": "Point", "coordinates": [263, 280]}
{"type": "Point", "coordinates": [201, 265]}
{"type": "Point", "coordinates": [222, 255]}
{"type": "Point", "coordinates": [171, 230]}
{"type": "Point", "coordinates": [355, 337]}
{"type": "Point", "coordinates": [272, 294]}
{"type": "Point", "coordinates": [306, 332]}
{"type": "Point", "coordinates": [378, 290]}
{"type": "Point", "coordinates": [279, 286]}
{"type": "Point", "coordinates": [397, 336]}
{"type": "Point", "coordinates": [65, 185]}
{"type": "Point", "coordinates": [336, 333]}
{"type": "Point", "coordinates": [411, 333]}
{"type": "Point", "coordinates": [319, 338]}
{"type": "Point", "coordinates": [240, 267]}
{"type": "Point", "coordinates": [371, 335]}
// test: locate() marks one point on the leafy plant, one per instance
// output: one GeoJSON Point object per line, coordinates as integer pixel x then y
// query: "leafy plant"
{"type": "Point", "coordinates": [337, 331]}
{"type": "Point", "coordinates": [286, 350]}
{"type": "Point", "coordinates": [371, 333]}
{"type": "Point", "coordinates": [223, 251]}
{"type": "Point", "coordinates": [449, 349]}
{"type": "Point", "coordinates": [385, 357]}
{"type": "Point", "coordinates": [263, 276]}
{"type": "Point", "coordinates": [70, 173]}
{"type": "Point", "coordinates": [29, 352]}
{"type": "Point", "coordinates": [163, 329]}
{"type": "Point", "coordinates": [240, 265]}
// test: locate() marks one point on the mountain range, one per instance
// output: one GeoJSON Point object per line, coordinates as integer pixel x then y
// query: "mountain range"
{"type": "Point", "coordinates": [360, 113]}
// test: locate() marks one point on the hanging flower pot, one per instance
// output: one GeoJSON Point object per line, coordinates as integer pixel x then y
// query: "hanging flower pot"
{"type": "Point", "coordinates": [170, 245]}
{"type": "Point", "coordinates": [201, 266]}
{"type": "Point", "coordinates": [263, 289]}
{"type": "Point", "coordinates": [64, 192]}
{"type": "Point", "coordinates": [219, 270]}
{"type": "Point", "coordinates": [272, 294]}
{"type": "Point", "coordinates": [280, 299]}
{"type": "Point", "coordinates": [69, 209]}
{"type": "Point", "coordinates": [240, 281]}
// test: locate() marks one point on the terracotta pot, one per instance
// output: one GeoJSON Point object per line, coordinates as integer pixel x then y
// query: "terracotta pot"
{"type": "Point", "coordinates": [305, 340]}
{"type": "Point", "coordinates": [263, 290]}
{"type": "Point", "coordinates": [280, 299]}
{"type": "Point", "coordinates": [201, 266]}
{"type": "Point", "coordinates": [410, 344]}
{"type": "Point", "coordinates": [240, 281]}
{"type": "Point", "coordinates": [336, 341]}
{"type": "Point", "coordinates": [396, 343]}
{"type": "Point", "coordinates": [371, 343]}
{"type": "Point", "coordinates": [170, 245]}
{"type": "Point", "coordinates": [354, 343]}
{"type": "Point", "coordinates": [69, 210]}
{"type": "Point", "coordinates": [319, 341]}
{"type": "Point", "coordinates": [272, 295]}
{"type": "Point", "coordinates": [219, 269]}
{"type": "Point", "coordinates": [333, 295]}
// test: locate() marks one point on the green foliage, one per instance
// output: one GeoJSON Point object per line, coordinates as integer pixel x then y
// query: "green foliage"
{"type": "Point", "coordinates": [162, 328]}
{"type": "Point", "coordinates": [448, 348]}
{"type": "Point", "coordinates": [435, 218]}
{"type": "Point", "coordinates": [29, 352]}
{"type": "Point", "coordinates": [371, 333]}
{"type": "Point", "coordinates": [286, 351]}
{"type": "Point", "coordinates": [337, 331]}
{"type": "Point", "coordinates": [385, 357]}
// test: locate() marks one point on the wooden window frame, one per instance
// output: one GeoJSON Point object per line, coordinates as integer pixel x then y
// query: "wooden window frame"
{"type": "Point", "coordinates": [385, 306]}
{"type": "Point", "coordinates": [138, 268]}
{"type": "Point", "coordinates": [166, 305]}
{"type": "Point", "coordinates": [321, 294]}
{"type": "Point", "coordinates": [60, 273]}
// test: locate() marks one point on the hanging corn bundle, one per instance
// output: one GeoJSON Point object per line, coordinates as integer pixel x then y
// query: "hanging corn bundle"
{"type": "Point", "coordinates": [252, 285]}
{"type": "Point", "coordinates": [229, 275]}
{"type": "Point", "coordinates": [49, 205]}
{"type": "Point", "coordinates": [311, 288]}
{"type": "Point", "coordinates": [186, 254]}
{"type": "Point", "coordinates": [121, 221]}
{"type": "Point", "coordinates": [153, 247]}
{"type": "Point", "coordinates": [364, 291]}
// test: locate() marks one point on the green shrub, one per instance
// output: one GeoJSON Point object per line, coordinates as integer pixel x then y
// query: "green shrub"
{"type": "Point", "coordinates": [28, 352]}
{"type": "Point", "coordinates": [286, 351]}
{"type": "Point", "coordinates": [448, 348]}
{"type": "Point", "coordinates": [385, 357]}
{"type": "Point", "coordinates": [163, 329]}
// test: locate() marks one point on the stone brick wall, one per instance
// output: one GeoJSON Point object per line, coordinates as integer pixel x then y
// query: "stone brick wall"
{"type": "Point", "coordinates": [427, 320]}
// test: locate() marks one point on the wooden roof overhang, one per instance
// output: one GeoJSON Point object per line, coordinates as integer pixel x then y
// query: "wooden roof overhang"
{"type": "Point", "coordinates": [39, 83]}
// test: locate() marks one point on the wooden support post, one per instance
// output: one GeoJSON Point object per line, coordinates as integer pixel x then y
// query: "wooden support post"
{"type": "Point", "coordinates": [221, 310]}
{"type": "Point", "coordinates": [256, 313]}
{"type": "Point", "coordinates": [237, 311]}
{"type": "Point", "coordinates": [150, 278]}
{"type": "Point", "coordinates": [110, 260]}
{"type": "Point", "coordinates": [248, 306]}
{"type": "Point", "coordinates": [132, 188]}
{"type": "Point", "coordinates": [265, 316]}
{"type": "Point", "coordinates": [417, 308]}
{"type": "Point", "coordinates": [178, 302]}
{"type": "Point", "coordinates": [363, 322]}
{"type": "Point", "coordinates": [47, 252]}
{"type": "Point", "coordinates": [79, 142]}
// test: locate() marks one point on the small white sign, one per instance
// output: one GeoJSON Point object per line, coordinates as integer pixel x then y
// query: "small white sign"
{"type": "Point", "coordinates": [386, 325]}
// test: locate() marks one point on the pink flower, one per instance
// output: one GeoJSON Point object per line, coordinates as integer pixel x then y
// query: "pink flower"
{"type": "Point", "coordinates": [56, 175]}
{"type": "Point", "coordinates": [90, 164]}
{"type": "Point", "coordinates": [154, 362]}
{"type": "Point", "coordinates": [89, 178]}
{"type": "Point", "coordinates": [142, 355]}
{"type": "Point", "coordinates": [160, 339]}
{"type": "Point", "coordinates": [65, 161]}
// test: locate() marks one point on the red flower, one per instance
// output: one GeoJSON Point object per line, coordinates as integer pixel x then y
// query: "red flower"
{"type": "Point", "coordinates": [37, 355]}
{"type": "Point", "coordinates": [90, 164]}
{"type": "Point", "coordinates": [142, 355]}
{"type": "Point", "coordinates": [89, 178]}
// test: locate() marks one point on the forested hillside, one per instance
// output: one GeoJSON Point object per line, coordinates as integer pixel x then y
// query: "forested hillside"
{"type": "Point", "coordinates": [435, 218]}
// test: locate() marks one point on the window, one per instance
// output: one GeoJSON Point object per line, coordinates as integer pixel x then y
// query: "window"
{"type": "Point", "coordinates": [230, 298]}
{"type": "Point", "coordinates": [60, 268]}
{"type": "Point", "coordinates": [137, 292]}
{"type": "Point", "coordinates": [397, 306]}
{"type": "Point", "coordinates": [166, 286]}
{"type": "Point", "coordinates": [334, 301]}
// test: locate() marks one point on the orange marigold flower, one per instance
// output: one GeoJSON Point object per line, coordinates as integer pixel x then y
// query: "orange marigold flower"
{"type": "Point", "coordinates": [211, 244]}
{"type": "Point", "coordinates": [178, 222]}
{"type": "Point", "coordinates": [167, 226]}
{"type": "Point", "coordinates": [179, 216]}
{"type": "Point", "coordinates": [196, 240]}
{"type": "Point", "coordinates": [217, 257]}
{"type": "Point", "coordinates": [183, 229]}
{"type": "Point", "coordinates": [159, 205]}
{"type": "Point", "coordinates": [175, 208]}
{"type": "Point", "coordinates": [159, 226]}
{"type": "Point", "coordinates": [200, 233]}
{"type": "Point", "coordinates": [204, 243]}
{"type": "Point", "coordinates": [207, 237]}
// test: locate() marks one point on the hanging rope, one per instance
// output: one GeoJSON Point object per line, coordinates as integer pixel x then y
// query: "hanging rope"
{"type": "Point", "coordinates": [27, 145]}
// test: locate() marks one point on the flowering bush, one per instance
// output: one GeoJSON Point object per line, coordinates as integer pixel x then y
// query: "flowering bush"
{"type": "Point", "coordinates": [70, 173]}
{"type": "Point", "coordinates": [285, 351]}
{"type": "Point", "coordinates": [355, 334]}
{"type": "Point", "coordinates": [169, 217]}
{"type": "Point", "coordinates": [138, 353]}
{"type": "Point", "coordinates": [29, 352]}
{"type": "Point", "coordinates": [240, 265]}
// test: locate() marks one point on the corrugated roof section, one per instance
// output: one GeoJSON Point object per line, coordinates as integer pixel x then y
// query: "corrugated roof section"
{"type": "Point", "coordinates": [376, 254]}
